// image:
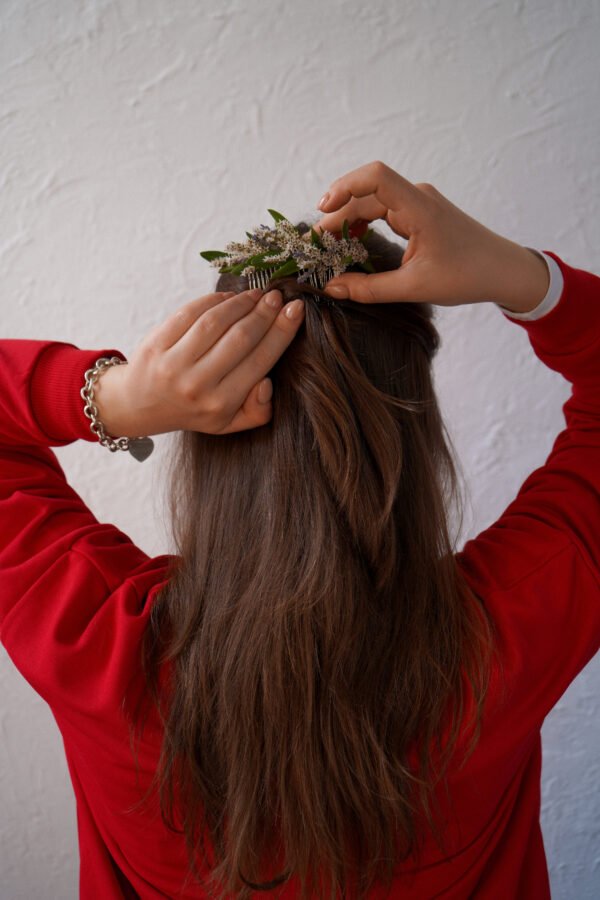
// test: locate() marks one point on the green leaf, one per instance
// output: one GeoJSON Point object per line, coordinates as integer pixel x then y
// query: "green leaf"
{"type": "Point", "coordinates": [238, 268]}
{"type": "Point", "coordinates": [212, 254]}
{"type": "Point", "coordinates": [288, 268]}
{"type": "Point", "coordinates": [259, 262]}
{"type": "Point", "coordinates": [347, 260]}
{"type": "Point", "coordinates": [315, 239]}
{"type": "Point", "coordinates": [346, 230]}
{"type": "Point", "coordinates": [368, 266]}
{"type": "Point", "coordinates": [277, 215]}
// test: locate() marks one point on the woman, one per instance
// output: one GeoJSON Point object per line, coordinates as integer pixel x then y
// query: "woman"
{"type": "Point", "coordinates": [316, 683]}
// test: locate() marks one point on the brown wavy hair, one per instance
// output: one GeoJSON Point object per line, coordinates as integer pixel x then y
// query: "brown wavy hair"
{"type": "Point", "coordinates": [326, 655]}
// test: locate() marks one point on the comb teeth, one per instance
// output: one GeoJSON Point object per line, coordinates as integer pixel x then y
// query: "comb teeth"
{"type": "Point", "coordinates": [261, 278]}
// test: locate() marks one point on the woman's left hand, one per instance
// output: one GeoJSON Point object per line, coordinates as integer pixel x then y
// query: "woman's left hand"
{"type": "Point", "coordinates": [203, 369]}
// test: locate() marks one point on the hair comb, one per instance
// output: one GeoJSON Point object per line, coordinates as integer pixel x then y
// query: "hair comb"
{"type": "Point", "coordinates": [261, 278]}
{"type": "Point", "coordinates": [282, 250]}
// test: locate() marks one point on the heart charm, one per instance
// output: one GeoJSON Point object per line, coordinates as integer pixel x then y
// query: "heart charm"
{"type": "Point", "coordinates": [141, 448]}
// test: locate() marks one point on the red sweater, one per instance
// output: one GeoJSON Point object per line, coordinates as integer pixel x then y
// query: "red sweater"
{"type": "Point", "coordinates": [75, 595]}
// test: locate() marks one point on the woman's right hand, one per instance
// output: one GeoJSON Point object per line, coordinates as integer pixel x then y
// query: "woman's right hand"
{"type": "Point", "coordinates": [450, 259]}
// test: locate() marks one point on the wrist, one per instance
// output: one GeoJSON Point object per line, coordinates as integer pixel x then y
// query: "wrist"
{"type": "Point", "coordinates": [109, 398]}
{"type": "Point", "coordinates": [526, 280]}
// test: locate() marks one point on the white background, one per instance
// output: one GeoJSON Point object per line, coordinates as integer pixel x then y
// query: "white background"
{"type": "Point", "coordinates": [135, 134]}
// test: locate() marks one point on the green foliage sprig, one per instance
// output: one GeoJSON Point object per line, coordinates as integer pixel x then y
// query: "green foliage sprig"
{"type": "Point", "coordinates": [282, 250]}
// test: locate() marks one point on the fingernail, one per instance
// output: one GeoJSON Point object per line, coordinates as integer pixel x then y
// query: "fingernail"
{"type": "Point", "coordinates": [323, 200]}
{"type": "Point", "coordinates": [294, 309]}
{"type": "Point", "coordinates": [274, 299]}
{"type": "Point", "coordinates": [255, 294]}
{"type": "Point", "coordinates": [337, 290]}
{"type": "Point", "coordinates": [265, 390]}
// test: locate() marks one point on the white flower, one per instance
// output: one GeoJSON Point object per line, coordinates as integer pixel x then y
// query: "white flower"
{"type": "Point", "coordinates": [283, 242]}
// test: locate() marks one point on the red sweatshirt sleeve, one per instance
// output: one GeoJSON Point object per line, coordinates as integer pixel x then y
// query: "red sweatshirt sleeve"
{"type": "Point", "coordinates": [72, 589]}
{"type": "Point", "coordinates": [537, 568]}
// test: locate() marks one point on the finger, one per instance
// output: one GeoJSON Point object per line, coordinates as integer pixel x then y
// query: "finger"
{"type": "Point", "coordinates": [176, 326]}
{"type": "Point", "coordinates": [398, 195]}
{"type": "Point", "coordinates": [364, 209]}
{"type": "Point", "coordinates": [381, 287]}
{"type": "Point", "coordinates": [208, 329]}
{"type": "Point", "coordinates": [242, 339]}
{"type": "Point", "coordinates": [253, 413]}
{"type": "Point", "coordinates": [264, 356]}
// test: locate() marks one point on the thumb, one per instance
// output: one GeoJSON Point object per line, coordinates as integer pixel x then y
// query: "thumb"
{"type": "Point", "coordinates": [256, 410]}
{"type": "Point", "coordinates": [380, 287]}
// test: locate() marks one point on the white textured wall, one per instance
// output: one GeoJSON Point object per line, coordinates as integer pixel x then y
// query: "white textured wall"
{"type": "Point", "coordinates": [135, 133]}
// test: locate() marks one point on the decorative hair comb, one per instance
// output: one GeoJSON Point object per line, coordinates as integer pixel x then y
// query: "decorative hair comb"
{"type": "Point", "coordinates": [280, 250]}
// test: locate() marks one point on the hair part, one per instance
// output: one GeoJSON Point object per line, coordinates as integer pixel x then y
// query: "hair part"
{"type": "Point", "coordinates": [327, 661]}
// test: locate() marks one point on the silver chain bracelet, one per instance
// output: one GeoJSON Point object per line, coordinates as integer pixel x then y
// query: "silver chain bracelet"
{"type": "Point", "coordinates": [139, 447]}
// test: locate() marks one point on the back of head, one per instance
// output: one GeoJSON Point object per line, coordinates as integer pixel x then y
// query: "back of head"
{"type": "Point", "coordinates": [352, 399]}
{"type": "Point", "coordinates": [315, 622]}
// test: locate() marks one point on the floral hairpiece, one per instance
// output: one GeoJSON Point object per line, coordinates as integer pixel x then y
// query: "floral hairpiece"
{"type": "Point", "coordinates": [280, 250]}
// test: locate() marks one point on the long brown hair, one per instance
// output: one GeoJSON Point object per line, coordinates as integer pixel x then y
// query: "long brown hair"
{"type": "Point", "coordinates": [324, 650]}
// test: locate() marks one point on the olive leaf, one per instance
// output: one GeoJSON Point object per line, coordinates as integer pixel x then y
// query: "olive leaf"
{"type": "Point", "coordinates": [368, 266]}
{"type": "Point", "coordinates": [315, 239]}
{"type": "Point", "coordinates": [212, 254]}
{"type": "Point", "coordinates": [277, 215]}
{"type": "Point", "coordinates": [260, 263]}
{"type": "Point", "coordinates": [288, 268]}
{"type": "Point", "coordinates": [237, 269]}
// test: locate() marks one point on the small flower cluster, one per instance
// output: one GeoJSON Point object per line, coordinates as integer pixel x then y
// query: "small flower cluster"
{"type": "Point", "coordinates": [281, 250]}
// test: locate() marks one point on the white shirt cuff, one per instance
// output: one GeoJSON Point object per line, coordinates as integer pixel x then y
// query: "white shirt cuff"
{"type": "Point", "coordinates": [553, 294]}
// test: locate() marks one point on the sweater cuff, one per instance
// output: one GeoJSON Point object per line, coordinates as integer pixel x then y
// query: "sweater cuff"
{"type": "Point", "coordinates": [553, 294]}
{"type": "Point", "coordinates": [571, 326]}
{"type": "Point", "coordinates": [55, 386]}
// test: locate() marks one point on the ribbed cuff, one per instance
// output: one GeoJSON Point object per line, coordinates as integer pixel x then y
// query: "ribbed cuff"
{"type": "Point", "coordinates": [553, 294]}
{"type": "Point", "coordinates": [571, 325]}
{"type": "Point", "coordinates": [55, 386]}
